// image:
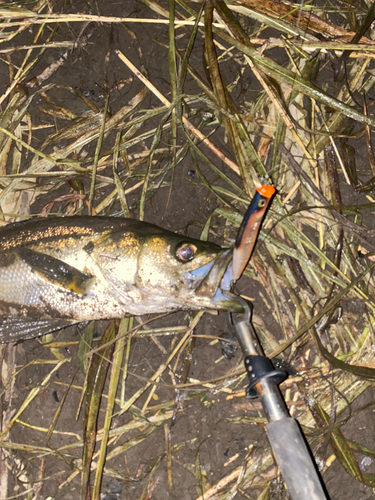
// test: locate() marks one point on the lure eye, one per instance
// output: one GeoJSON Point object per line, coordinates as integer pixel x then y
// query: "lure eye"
{"type": "Point", "coordinates": [186, 252]}
{"type": "Point", "coordinates": [261, 203]}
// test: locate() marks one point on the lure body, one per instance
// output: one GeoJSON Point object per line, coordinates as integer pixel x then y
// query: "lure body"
{"type": "Point", "coordinates": [249, 230]}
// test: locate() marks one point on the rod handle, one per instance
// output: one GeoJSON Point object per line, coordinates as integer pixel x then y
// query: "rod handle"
{"type": "Point", "coordinates": [297, 466]}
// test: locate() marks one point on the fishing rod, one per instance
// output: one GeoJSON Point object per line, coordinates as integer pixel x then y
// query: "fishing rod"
{"type": "Point", "coordinates": [288, 444]}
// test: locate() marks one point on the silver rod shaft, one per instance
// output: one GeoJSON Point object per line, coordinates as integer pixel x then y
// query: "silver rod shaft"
{"type": "Point", "coordinates": [248, 339]}
{"type": "Point", "coordinates": [272, 401]}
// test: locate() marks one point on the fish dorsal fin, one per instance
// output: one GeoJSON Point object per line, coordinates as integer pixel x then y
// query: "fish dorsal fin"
{"type": "Point", "coordinates": [13, 329]}
{"type": "Point", "coordinates": [56, 272]}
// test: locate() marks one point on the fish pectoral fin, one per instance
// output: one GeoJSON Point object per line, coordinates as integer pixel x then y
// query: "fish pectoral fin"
{"type": "Point", "coordinates": [56, 271]}
{"type": "Point", "coordinates": [13, 329]}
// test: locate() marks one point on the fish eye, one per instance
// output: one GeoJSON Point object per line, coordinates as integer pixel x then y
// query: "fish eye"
{"type": "Point", "coordinates": [261, 203]}
{"type": "Point", "coordinates": [186, 252]}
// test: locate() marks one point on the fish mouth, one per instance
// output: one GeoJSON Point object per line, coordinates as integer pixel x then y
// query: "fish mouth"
{"type": "Point", "coordinates": [217, 281]}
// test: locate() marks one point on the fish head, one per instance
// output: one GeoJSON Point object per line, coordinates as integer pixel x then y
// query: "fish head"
{"type": "Point", "coordinates": [189, 273]}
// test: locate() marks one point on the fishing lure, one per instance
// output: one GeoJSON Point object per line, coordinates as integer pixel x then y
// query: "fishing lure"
{"type": "Point", "coordinates": [249, 230]}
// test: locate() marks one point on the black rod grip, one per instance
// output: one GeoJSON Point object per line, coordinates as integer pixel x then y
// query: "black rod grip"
{"type": "Point", "coordinates": [294, 460]}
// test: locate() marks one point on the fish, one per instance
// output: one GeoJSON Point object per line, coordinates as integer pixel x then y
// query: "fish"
{"type": "Point", "coordinates": [57, 272]}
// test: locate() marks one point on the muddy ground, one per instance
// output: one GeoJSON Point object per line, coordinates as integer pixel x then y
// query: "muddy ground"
{"type": "Point", "coordinates": [215, 438]}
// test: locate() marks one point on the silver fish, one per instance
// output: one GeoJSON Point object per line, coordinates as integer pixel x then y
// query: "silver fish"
{"type": "Point", "coordinates": [58, 272]}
